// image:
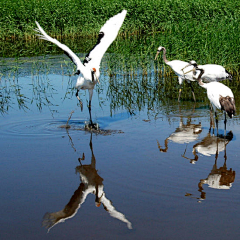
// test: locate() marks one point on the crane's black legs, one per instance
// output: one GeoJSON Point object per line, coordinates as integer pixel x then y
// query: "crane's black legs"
{"type": "Point", "coordinates": [180, 91]}
{"type": "Point", "coordinates": [90, 114]}
{"type": "Point", "coordinates": [80, 101]}
{"type": "Point", "coordinates": [216, 118]}
{"type": "Point", "coordinates": [225, 123]}
{"type": "Point", "coordinates": [179, 95]}
{"type": "Point", "coordinates": [192, 91]}
{"type": "Point", "coordinates": [211, 120]}
{"type": "Point", "coordinates": [91, 125]}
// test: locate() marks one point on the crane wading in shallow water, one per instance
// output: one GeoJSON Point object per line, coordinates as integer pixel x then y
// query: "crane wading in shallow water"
{"type": "Point", "coordinates": [212, 72]}
{"type": "Point", "coordinates": [88, 71]}
{"type": "Point", "coordinates": [220, 97]}
{"type": "Point", "coordinates": [177, 66]}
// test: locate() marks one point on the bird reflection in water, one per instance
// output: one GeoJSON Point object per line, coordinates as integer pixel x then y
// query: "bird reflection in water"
{"type": "Point", "coordinates": [218, 178]}
{"type": "Point", "coordinates": [185, 133]}
{"type": "Point", "coordinates": [209, 145]}
{"type": "Point", "coordinates": [91, 183]}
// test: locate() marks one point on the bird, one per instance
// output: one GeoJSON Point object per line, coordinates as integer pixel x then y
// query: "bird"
{"type": "Point", "coordinates": [88, 70]}
{"type": "Point", "coordinates": [212, 72]}
{"type": "Point", "coordinates": [220, 96]}
{"type": "Point", "coordinates": [177, 66]}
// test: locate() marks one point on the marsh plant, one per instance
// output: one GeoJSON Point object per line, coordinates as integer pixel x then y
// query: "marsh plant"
{"type": "Point", "coordinates": [206, 31]}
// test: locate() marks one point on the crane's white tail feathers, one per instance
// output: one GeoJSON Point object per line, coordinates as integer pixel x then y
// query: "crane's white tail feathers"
{"type": "Point", "coordinates": [228, 105]}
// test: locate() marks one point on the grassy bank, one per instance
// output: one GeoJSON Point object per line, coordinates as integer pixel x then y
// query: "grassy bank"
{"type": "Point", "coordinates": [76, 17]}
{"type": "Point", "coordinates": [207, 31]}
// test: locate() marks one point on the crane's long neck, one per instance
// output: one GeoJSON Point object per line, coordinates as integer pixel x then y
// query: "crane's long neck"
{"type": "Point", "coordinates": [200, 82]}
{"type": "Point", "coordinates": [164, 55]}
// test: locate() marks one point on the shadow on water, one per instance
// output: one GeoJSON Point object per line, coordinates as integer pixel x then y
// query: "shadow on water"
{"type": "Point", "coordinates": [90, 183]}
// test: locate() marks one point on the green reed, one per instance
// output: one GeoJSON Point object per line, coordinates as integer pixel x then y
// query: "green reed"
{"type": "Point", "coordinates": [206, 31]}
{"type": "Point", "coordinates": [126, 85]}
{"type": "Point", "coordinates": [74, 17]}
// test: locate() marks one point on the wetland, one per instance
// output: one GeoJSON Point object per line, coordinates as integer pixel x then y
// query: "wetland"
{"type": "Point", "coordinates": [152, 170]}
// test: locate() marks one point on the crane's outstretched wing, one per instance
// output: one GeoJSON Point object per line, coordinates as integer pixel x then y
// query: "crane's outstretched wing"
{"type": "Point", "coordinates": [107, 35]}
{"type": "Point", "coordinates": [43, 35]}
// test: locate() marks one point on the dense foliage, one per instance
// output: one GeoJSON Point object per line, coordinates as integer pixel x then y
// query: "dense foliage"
{"type": "Point", "coordinates": [207, 31]}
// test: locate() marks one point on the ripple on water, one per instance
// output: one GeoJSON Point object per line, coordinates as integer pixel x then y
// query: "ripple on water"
{"type": "Point", "coordinates": [36, 128]}
{"type": "Point", "coordinates": [48, 127]}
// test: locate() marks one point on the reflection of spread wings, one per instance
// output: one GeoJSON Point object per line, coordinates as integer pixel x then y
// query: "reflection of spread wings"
{"type": "Point", "coordinates": [113, 212]}
{"type": "Point", "coordinates": [69, 211]}
{"type": "Point", "coordinates": [78, 198]}
{"type": "Point", "coordinates": [92, 183]}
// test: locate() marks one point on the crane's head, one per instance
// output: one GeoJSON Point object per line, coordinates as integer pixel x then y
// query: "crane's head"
{"type": "Point", "coordinates": [94, 70]}
{"type": "Point", "coordinates": [160, 48]}
{"type": "Point", "coordinates": [158, 51]}
{"type": "Point", "coordinates": [193, 63]}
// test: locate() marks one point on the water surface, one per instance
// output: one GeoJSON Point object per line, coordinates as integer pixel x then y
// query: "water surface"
{"type": "Point", "coordinates": [153, 172]}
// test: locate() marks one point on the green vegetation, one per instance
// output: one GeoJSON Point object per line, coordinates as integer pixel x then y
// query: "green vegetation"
{"type": "Point", "coordinates": [206, 31]}
{"type": "Point", "coordinates": [132, 89]}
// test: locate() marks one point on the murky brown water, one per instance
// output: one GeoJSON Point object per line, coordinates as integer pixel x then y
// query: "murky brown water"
{"type": "Point", "coordinates": [154, 172]}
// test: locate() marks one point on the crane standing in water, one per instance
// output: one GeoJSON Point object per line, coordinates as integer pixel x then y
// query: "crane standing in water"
{"type": "Point", "coordinates": [212, 72]}
{"type": "Point", "coordinates": [220, 96]}
{"type": "Point", "coordinates": [178, 66]}
{"type": "Point", "coordinates": [88, 71]}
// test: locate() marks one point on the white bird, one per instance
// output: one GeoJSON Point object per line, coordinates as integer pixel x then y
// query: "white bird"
{"type": "Point", "coordinates": [220, 96]}
{"type": "Point", "coordinates": [177, 66]}
{"type": "Point", "coordinates": [88, 71]}
{"type": "Point", "coordinates": [212, 72]}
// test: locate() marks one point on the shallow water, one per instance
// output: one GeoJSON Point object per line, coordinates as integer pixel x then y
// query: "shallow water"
{"type": "Point", "coordinates": [155, 168]}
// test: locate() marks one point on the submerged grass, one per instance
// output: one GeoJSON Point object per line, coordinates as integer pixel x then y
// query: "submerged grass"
{"type": "Point", "coordinates": [127, 86]}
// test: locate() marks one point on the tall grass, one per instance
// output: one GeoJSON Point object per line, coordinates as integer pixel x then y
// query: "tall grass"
{"type": "Point", "coordinates": [81, 17]}
{"type": "Point", "coordinates": [206, 31]}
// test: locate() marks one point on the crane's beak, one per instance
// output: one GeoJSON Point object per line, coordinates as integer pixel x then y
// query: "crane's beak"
{"type": "Point", "coordinates": [186, 67]}
{"type": "Point", "coordinates": [96, 77]}
{"type": "Point", "coordinates": [156, 55]}
{"type": "Point", "coordinates": [189, 71]}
